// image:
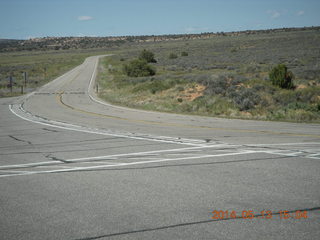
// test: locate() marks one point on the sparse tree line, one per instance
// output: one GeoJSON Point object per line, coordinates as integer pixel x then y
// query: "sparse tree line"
{"type": "Point", "coordinates": [279, 75]}
{"type": "Point", "coordinates": [64, 43]}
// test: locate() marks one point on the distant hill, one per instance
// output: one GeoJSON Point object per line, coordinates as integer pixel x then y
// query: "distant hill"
{"type": "Point", "coordinates": [7, 40]}
{"type": "Point", "coordinates": [58, 43]}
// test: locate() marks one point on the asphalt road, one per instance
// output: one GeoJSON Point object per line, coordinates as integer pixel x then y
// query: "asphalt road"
{"type": "Point", "coordinates": [73, 167]}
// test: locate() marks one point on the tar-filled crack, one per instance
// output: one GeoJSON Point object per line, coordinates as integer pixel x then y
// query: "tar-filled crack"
{"type": "Point", "coordinates": [186, 224]}
{"type": "Point", "coordinates": [273, 148]}
{"type": "Point", "coordinates": [50, 130]}
{"type": "Point", "coordinates": [19, 140]}
{"type": "Point", "coordinates": [56, 159]}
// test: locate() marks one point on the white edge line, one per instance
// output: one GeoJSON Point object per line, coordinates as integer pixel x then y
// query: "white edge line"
{"type": "Point", "coordinates": [87, 131]}
{"type": "Point", "coordinates": [130, 164]}
{"type": "Point", "coordinates": [100, 157]}
{"type": "Point", "coordinates": [137, 153]}
{"type": "Point", "coordinates": [101, 133]}
{"type": "Point", "coordinates": [9, 171]}
{"type": "Point", "coordinates": [294, 154]}
{"type": "Point", "coordinates": [105, 103]}
{"type": "Point", "coordinates": [90, 88]}
{"type": "Point", "coordinates": [24, 165]}
{"type": "Point", "coordinates": [284, 144]}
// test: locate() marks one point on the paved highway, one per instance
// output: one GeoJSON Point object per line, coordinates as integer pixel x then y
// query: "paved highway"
{"type": "Point", "coordinates": [74, 167]}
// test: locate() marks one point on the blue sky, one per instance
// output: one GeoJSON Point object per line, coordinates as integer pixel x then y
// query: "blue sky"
{"type": "Point", "coordinates": [23, 19]}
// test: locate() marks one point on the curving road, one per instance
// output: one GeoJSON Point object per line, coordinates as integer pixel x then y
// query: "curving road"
{"type": "Point", "coordinates": [74, 167]}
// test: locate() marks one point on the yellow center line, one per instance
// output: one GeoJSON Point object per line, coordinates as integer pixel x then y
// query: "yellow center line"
{"type": "Point", "coordinates": [60, 101]}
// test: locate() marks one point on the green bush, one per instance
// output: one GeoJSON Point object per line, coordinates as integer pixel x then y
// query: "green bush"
{"type": "Point", "coordinates": [139, 68]}
{"type": "Point", "coordinates": [184, 54]}
{"type": "Point", "coordinates": [281, 77]}
{"type": "Point", "coordinates": [173, 56]}
{"type": "Point", "coordinates": [148, 56]}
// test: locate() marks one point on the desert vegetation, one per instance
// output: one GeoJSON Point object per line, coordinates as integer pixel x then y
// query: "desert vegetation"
{"type": "Point", "coordinates": [147, 56]}
{"type": "Point", "coordinates": [267, 76]}
{"type": "Point", "coordinates": [281, 77]}
{"type": "Point", "coordinates": [72, 43]}
{"type": "Point", "coordinates": [138, 68]}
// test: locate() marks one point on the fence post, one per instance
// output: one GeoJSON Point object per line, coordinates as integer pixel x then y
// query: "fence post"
{"type": "Point", "coordinates": [25, 74]}
{"type": "Point", "coordinates": [11, 83]}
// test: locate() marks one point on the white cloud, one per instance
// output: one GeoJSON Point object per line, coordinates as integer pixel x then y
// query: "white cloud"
{"type": "Point", "coordinates": [274, 14]}
{"type": "Point", "coordinates": [190, 29]}
{"type": "Point", "coordinates": [85, 18]}
{"type": "Point", "coordinates": [86, 35]}
{"type": "Point", "coordinates": [300, 13]}
{"type": "Point", "coordinates": [196, 29]}
{"type": "Point", "coordinates": [30, 37]}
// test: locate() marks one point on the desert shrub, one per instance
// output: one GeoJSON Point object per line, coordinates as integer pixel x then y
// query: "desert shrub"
{"type": "Point", "coordinates": [245, 98]}
{"type": "Point", "coordinates": [311, 74]}
{"type": "Point", "coordinates": [189, 77]}
{"type": "Point", "coordinates": [231, 91]}
{"type": "Point", "coordinates": [281, 77]}
{"type": "Point", "coordinates": [173, 56]}
{"type": "Point", "coordinates": [308, 95]}
{"type": "Point", "coordinates": [215, 84]}
{"type": "Point", "coordinates": [252, 69]}
{"type": "Point", "coordinates": [184, 54]}
{"type": "Point", "coordinates": [259, 87]}
{"type": "Point", "coordinates": [156, 85]}
{"type": "Point", "coordinates": [138, 68]}
{"type": "Point", "coordinates": [137, 80]}
{"type": "Point", "coordinates": [285, 97]}
{"type": "Point", "coordinates": [299, 115]}
{"type": "Point", "coordinates": [304, 106]}
{"type": "Point", "coordinates": [233, 50]}
{"type": "Point", "coordinates": [213, 105]}
{"type": "Point", "coordinates": [203, 79]}
{"type": "Point", "coordinates": [238, 79]}
{"type": "Point", "coordinates": [148, 56]}
{"type": "Point", "coordinates": [180, 88]}
{"type": "Point", "coordinates": [153, 86]}
{"type": "Point", "coordinates": [172, 68]}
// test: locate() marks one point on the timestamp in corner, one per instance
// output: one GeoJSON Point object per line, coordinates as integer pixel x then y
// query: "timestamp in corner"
{"type": "Point", "coordinates": [265, 214]}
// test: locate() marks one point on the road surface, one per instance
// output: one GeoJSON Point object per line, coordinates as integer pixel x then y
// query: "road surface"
{"type": "Point", "coordinates": [74, 167]}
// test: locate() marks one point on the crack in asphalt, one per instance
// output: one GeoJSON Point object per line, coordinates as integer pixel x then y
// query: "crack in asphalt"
{"type": "Point", "coordinates": [49, 156]}
{"type": "Point", "coordinates": [50, 130]}
{"type": "Point", "coordinates": [19, 140]}
{"type": "Point", "coordinates": [192, 223]}
{"type": "Point", "coordinates": [115, 168]}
